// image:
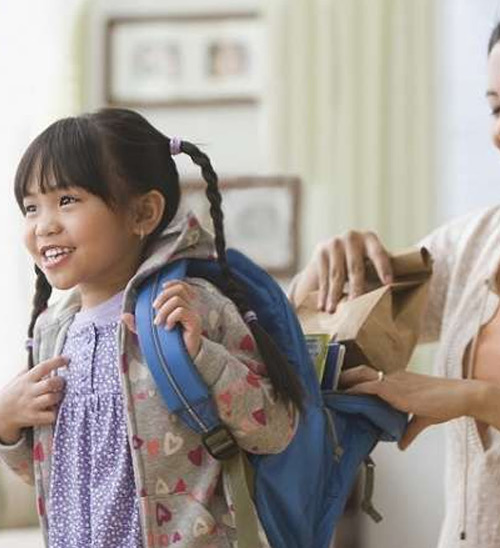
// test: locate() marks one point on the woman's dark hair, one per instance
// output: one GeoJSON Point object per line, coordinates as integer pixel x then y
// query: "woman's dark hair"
{"type": "Point", "coordinates": [116, 154]}
{"type": "Point", "coordinates": [494, 37]}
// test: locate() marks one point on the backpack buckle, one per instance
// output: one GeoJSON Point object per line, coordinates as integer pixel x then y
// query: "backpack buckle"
{"type": "Point", "coordinates": [220, 443]}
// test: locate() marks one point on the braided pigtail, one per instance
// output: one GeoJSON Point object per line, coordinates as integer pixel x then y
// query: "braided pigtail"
{"type": "Point", "coordinates": [284, 380]}
{"type": "Point", "coordinates": [43, 290]}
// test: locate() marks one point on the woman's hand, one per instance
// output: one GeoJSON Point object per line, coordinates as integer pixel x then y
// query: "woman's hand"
{"type": "Point", "coordinates": [30, 399]}
{"type": "Point", "coordinates": [175, 305]}
{"type": "Point", "coordinates": [337, 261]}
{"type": "Point", "coordinates": [431, 400]}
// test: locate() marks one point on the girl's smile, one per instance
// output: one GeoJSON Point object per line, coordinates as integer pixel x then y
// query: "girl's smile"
{"type": "Point", "coordinates": [54, 256]}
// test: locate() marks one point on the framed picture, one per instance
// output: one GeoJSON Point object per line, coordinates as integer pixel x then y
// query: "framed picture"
{"type": "Point", "coordinates": [261, 218]}
{"type": "Point", "coordinates": [184, 60]}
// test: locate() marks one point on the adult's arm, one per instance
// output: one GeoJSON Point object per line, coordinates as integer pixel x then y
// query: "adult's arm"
{"type": "Point", "coordinates": [430, 399]}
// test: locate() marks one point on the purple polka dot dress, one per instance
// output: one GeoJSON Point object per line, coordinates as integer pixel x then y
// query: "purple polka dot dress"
{"type": "Point", "coordinates": [93, 503]}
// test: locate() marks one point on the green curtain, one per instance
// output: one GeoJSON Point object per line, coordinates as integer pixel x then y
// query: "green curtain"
{"type": "Point", "coordinates": [351, 111]}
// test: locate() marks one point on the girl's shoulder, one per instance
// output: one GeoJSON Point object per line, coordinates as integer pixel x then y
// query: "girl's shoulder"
{"type": "Point", "coordinates": [216, 309]}
{"type": "Point", "coordinates": [208, 293]}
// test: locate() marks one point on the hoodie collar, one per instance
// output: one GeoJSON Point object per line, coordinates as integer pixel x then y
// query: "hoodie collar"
{"type": "Point", "coordinates": [183, 240]}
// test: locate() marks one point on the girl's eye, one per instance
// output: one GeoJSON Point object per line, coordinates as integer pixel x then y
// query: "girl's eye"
{"type": "Point", "coordinates": [29, 209]}
{"type": "Point", "coordinates": [66, 200]}
{"type": "Point", "coordinates": [495, 111]}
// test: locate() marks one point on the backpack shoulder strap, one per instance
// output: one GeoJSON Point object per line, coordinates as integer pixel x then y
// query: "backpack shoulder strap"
{"type": "Point", "coordinates": [181, 386]}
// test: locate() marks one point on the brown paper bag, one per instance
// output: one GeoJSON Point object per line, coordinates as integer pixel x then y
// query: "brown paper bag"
{"type": "Point", "coordinates": [381, 327]}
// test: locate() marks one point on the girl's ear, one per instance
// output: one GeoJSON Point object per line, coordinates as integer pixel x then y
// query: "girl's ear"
{"type": "Point", "coordinates": [148, 212]}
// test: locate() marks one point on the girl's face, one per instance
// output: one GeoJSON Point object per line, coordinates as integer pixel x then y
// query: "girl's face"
{"type": "Point", "coordinates": [78, 241]}
{"type": "Point", "coordinates": [493, 92]}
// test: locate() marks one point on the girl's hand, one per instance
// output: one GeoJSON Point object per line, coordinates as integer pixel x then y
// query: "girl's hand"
{"type": "Point", "coordinates": [30, 399]}
{"type": "Point", "coordinates": [431, 400]}
{"type": "Point", "coordinates": [175, 305]}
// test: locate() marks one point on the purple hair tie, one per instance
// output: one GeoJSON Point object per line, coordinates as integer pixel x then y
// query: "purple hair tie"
{"type": "Point", "coordinates": [175, 146]}
{"type": "Point", "coordinates": [28, 344]}
{"type": "Point", "coordinates": [250, 316]}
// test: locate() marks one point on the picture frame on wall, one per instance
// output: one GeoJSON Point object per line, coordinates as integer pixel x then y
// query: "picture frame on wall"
{"type": "Point", "coordinates": [184, 60]}
{"type": "Point", "coordinates": [261, 218]}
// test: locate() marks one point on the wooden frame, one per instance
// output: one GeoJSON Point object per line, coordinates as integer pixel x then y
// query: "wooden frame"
{"type": "Point", "coordinates": [184, 60]}
{"type": "Point", "coordinates": [261, 218]}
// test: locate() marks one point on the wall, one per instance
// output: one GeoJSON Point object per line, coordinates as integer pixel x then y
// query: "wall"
{"type": "Point", "coordinates": [469, 166]}
{"type": "Point", "coordinates": [408, 493]}
{"type": "Point", "coordinates": [234, 137]}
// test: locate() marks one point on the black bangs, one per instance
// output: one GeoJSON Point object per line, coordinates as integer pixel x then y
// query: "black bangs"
{"type": "Point", "coordinates": [68, 153]}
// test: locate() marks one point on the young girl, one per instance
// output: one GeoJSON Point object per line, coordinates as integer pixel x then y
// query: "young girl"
{"type": "Point", "coordinates": [112, 467]}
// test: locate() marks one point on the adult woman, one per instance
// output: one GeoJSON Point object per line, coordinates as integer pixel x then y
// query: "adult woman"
{"type": "Point", "coordinates": [463, 314]}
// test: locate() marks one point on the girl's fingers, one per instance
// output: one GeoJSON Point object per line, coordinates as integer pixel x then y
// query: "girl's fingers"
{"type": "Point", "coordinates": [185, 286]}
{"type": "Point", "coordinates": [184, 316]}
{"type": "Point", "coordinates": [44, 417]}
{"type": "Point", "coordinates": [191, 322]}
{"type": "Point", "coordinates": [46, 367]}
{"type": "Point", "coordinates": [168, 307]}
{"type": "Point", "coordinates": [50, 385]}
{"type": "Point", "coordinates": [172, 289]}
{"type": "Point", "coordinates": [45, 401]}
{"type": "Point", "coordinates": [129, 320]}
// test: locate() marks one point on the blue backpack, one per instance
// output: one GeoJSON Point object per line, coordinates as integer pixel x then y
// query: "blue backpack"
{"type": "Point", "coordinates": [301, 492]}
